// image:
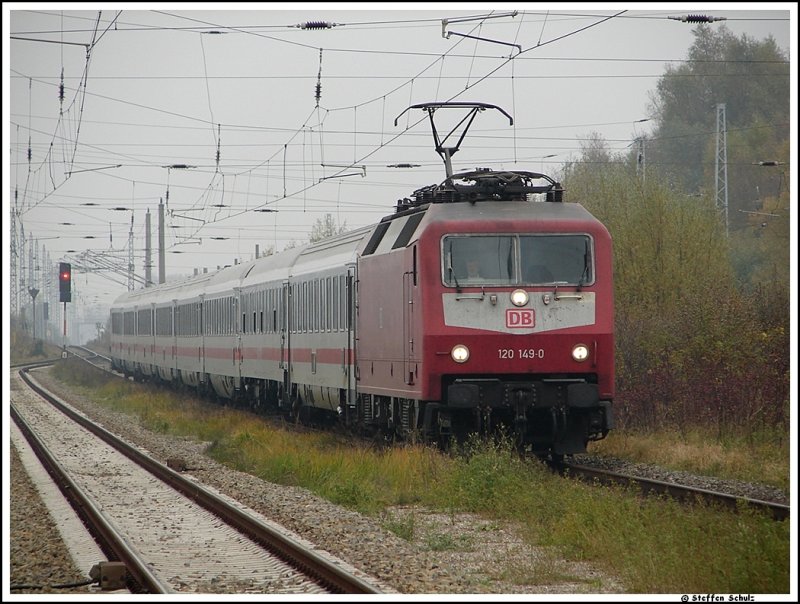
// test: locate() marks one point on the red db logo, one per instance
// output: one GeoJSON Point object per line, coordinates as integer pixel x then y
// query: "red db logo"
{"type": "Point", "coordinates": [516, 318]}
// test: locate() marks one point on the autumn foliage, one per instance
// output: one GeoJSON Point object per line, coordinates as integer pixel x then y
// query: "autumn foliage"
{"type": "Point", "coordinates": [694, 345]}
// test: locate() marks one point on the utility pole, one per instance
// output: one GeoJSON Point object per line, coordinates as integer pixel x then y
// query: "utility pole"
{"type": "Point", "coordinates": [148, 275]}
{"type": "Point", "coordinates": [33, 292]}
{"type": "Point", "coordinates": [640, 159]}
{"type": "Point", "coordinates": [42, 281]}
{"type": "Point", "coordinates": [21, 273]}
{"type": "Point", "coordinates": [721, 163]}
{"type": "Point", "coordinates": [130, 256]}
{"type": "Point", "coordinates": [31, 263]}
{"type": "Point", "coordinates": [162, 270]}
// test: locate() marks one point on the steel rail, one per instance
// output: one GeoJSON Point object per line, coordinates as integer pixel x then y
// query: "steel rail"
{"type": "Point", "coordinates": [677, 491]}
{"type": "Point", "coordinates": [108, 538]}
{"type": "Point", "coordinates": [327, 573]}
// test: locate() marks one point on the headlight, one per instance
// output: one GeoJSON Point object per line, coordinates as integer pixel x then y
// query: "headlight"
{"type": "Point", "coordinates": [519, 297]}
{"type": "Point", "coordinates": [580, 352]}
{"type": "Point", "coordinates": [460, 353]}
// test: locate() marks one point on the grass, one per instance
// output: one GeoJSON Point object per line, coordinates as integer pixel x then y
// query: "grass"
{"type": "Point", "coordinates": [403, 526]}
{"type": "Point", "coordinates": [651, 545]}
{"type": "Point", "coordinates": [23, 349]}
{"type": "Point", "coordinates": [538, 571]}
{"type": "Point", "coordinates": [756, 457]}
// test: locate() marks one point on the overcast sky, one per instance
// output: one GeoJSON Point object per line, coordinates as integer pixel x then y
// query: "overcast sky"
{"type": "Point", "coordinates": [231, 95]}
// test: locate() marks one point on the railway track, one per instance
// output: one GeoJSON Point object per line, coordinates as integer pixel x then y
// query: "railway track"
{"type": "Point", "coordinates": [180, 543]}
{"type": "Point", "coordinates": [647, 486]}
{"type": "Point", "coordinates": [689, 494]}
{"type": "Point", "coordinates": [93, 358]}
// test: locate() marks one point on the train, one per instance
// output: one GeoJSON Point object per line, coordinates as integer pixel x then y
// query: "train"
{"type": "Point", "coordinates": [481, 304]}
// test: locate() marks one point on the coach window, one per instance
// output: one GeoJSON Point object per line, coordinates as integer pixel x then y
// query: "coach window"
{"type": "Point", "coordinates": [268, 308]}
{"type": "Point", "coordinates": [212, 317]}
{"type": "Point", "coordinates": [273, 306]}
{"type": "Point", "coordinates": [277, 312]}
{"type": "Point", "coordinates": [343, 302]}
{"type": "Point", "coordinates": [302, 307]}
{"type": "Point", "coordinates": [294, 315]}
{"type": "Point", "coordinates": [314, 289]}
{"type": "Point", "coordinates": [128, 323]}
{"type": "Point", "coordinates": [309, 306]}
{"type": "Point", "coordinates": [334, 302]}
{"type": "Point", "coordinates": [315, 305]}
{"type": "Point", "coordinates": [329, 303]}
{"type": "Point", "coordinates": [318, 305]}
{"type": "Point", "coordinates": [262, 304]}
{"type": "Point", "coordinates": [325, 324]}
{"type": "Point", "coordinates": [306, 307]}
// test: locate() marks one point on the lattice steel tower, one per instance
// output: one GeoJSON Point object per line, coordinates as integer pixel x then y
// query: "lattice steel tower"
{"type": "Point", "coordinates": [14, 260]}
{"type": "Point", "coordinates": [721, 163]}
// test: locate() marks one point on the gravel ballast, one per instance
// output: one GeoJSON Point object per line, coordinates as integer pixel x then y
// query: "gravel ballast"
{"type": "Point", "coordinates": [449, 553]}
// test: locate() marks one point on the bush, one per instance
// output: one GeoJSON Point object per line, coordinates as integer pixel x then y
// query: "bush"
{"type": "Point", "coordinates": [694, 347]}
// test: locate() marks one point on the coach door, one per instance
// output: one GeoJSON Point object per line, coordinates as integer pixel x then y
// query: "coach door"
{"type": "Point", "coordinates": [240, 326]}
{"type": "Point", "coordinates": [409, 289]}
{"type": "Point", "coordinates": [285, 329]}
{"type": "Point", "coordinates": [174, 331]}
{"type": "Point", "coordinates": [350, 352]}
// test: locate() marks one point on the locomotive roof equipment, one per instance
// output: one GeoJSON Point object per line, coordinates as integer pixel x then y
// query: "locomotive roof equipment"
{"type": "Point", "coordinates": [482, 184]}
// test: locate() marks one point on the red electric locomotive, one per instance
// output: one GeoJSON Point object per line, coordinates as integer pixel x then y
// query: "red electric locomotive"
{"type": "Point", "coordinates": [497, 310]}
{"type": "Point", "coordinates": [482, 303]}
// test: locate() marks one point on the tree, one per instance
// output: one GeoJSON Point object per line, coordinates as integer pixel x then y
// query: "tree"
{"type": "Point", "coordinates": [691, 348]}
{"type": "Point", "coordinates": [752, 79]}
{"type": "Point", "coordinates": [326, 227]}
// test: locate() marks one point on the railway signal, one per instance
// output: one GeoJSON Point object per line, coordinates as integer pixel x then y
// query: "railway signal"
{"type": "Point", "coordinates": [65, 295]}
{"type": "Point", "coordinates": [65, 281]}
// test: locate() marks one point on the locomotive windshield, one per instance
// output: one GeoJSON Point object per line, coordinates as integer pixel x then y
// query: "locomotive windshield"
{"type": "Point", "coordinates": [469, 260]}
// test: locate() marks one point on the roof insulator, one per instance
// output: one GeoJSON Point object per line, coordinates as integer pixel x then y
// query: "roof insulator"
{"type": "Point", "coordinates": [317, 25]}
{"type": "Point", "coordinates": [698, 19]}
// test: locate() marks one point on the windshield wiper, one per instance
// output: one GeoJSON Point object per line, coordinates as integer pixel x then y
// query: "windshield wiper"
{"type": "Point", "coordinates": [585, 273]}
{"type": "Point", "coordinates": [451, 272]}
